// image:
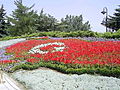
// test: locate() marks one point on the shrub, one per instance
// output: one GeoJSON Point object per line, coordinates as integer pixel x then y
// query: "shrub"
{"type": "Point", "coordinates": [65, 68]}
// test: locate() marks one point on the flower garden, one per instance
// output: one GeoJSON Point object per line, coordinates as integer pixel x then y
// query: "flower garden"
{"type": "Point", "coordinates": [74, 56]}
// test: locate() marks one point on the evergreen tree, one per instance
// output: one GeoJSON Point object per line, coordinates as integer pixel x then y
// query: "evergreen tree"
{"type": "Point", "coordinates": [45, 22]}
{"type": "Point", "coordinates": [23, 19]}
{"type": "Point", "coordinates": [114, 21]}
{"type": "Point", "coordinates": [74, 23]}
{"type": "Point", "coordinates": [3, 24]}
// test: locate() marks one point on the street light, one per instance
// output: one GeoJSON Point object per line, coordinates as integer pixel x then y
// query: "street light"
{"type": "Point", "coordinates": [103, 21]}
{"type": "Point", "coordinates": [105, 11]}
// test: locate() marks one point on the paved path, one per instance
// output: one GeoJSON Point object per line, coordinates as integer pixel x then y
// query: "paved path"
{"type": "Point", "coordinates": [10, 42]}
{"type": "Point", "coordinates": [8, 83]}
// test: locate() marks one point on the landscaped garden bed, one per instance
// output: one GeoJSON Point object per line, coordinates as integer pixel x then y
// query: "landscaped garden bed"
{"type": "Point", "coordinates": [66, 55]}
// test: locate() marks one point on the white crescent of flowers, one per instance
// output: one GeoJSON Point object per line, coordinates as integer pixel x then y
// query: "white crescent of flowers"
{"type": "Point", "coordinates": [36, 49]}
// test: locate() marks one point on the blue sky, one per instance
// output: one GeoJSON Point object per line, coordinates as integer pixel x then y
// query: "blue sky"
{"type": "Point", "coordinates": [90, 9]}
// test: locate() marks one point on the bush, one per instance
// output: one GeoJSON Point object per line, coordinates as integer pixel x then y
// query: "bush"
{"type": "Point", "coordinates": [107, 35]}
{"type": "Point", "coordinates": [71, 69]}
{"type": "Point", "coordinates": [68, 34]}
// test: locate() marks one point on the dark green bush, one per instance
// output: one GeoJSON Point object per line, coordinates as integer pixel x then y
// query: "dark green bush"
{"type": "Point", "coordinates": [71, 68]}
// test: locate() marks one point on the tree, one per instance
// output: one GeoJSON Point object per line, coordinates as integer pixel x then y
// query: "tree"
{"type": "Point", "coordinates": [23, 19]}
{"type": "Point", "coordinates": [114, 21]}
{"type": "Point", "coordinates": [74, 23]}
{"type": "Point", "coordinates": [45, 22]}
{"type": "Point", "coordinates": [3, 23]}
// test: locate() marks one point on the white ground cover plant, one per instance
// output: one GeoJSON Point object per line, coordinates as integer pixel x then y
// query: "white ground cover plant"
{"type": "Point", "coordinates": [36, 49]}
{"type": "Point", "coordinates": [51, 80]}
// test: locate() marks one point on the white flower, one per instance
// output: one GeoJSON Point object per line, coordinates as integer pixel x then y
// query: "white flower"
{"type": "Point", "coordinates": [36, 49]}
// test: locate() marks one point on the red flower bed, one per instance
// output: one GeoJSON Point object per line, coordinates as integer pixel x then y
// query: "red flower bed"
{"type": "Point", "coordinates": [8, 61]}
{"type": "Point", "coordinates": [76, 51]}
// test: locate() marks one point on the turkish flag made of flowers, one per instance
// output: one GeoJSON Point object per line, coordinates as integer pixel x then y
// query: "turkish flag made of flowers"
{"type": "Point", "coordinates": [74, 51]}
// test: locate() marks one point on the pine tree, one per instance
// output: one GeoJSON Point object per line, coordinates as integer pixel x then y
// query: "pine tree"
{"type": "Point", "coordinates": [74, 23]}
{"type": "Point", "coordinates": [3, 24]}
{"type": "Point", "coordinates": [23, 19]}
{"type": "Point", "coordinates": [114, 21]}
{"type": "Point", "coordinates": [45, 22]}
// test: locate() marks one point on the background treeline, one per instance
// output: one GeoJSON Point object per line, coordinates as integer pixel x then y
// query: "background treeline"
{"type": "Point", "coordinates": [25, 21]}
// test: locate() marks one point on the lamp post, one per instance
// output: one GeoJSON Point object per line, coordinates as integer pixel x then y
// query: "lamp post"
{"type": "Point", "coordinates": [105, 11]}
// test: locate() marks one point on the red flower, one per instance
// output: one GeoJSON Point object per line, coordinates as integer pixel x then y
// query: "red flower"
{"type": "Point", "coordinates": [76, 51]}
{"type": "Point", "coordinates": [32, 60]}
{"type": "Point", "coordinates": [8, 61]}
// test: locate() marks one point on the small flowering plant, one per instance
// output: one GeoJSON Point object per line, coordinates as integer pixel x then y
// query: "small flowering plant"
{"type": "Point", "coordinates": [68, 51]}
{"type": "Point", "coordinates": [6, 61]}
{"type": "Point", "coordinates": [5, 58]}
{"type": "Point", "coordinates": [66, 55]}
{"type": "Point", "coordinates": [48, 47]}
